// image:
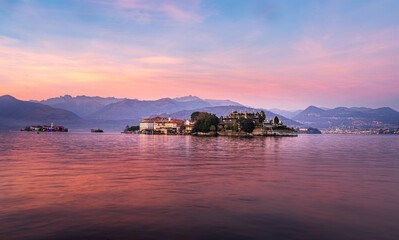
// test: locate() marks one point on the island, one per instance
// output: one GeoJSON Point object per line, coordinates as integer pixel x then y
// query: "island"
{"type": "Point", "coordinates": [305, 130]}
{"type": "Point", "coordinates": [96, 130]}
{"type": "Point", "coordinates": [45, 128]}
{"type": "Point", "coordinates": [239, 124]}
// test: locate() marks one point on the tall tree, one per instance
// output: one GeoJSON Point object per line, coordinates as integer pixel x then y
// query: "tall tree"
{"type": "Point", "coordinates": [194, 116]}
{"type": "Point", "coordinates": [262, 117]}
{"type": "Point", "coordinates": [205, 122]}
{"type": "Point", "coordinates": [276, 120]}
{"type": "Point", "coordinates": [247, 125]}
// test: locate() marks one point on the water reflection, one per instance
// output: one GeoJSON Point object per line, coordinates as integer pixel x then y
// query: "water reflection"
{"type": "Point", "coordinates": [115, 186]}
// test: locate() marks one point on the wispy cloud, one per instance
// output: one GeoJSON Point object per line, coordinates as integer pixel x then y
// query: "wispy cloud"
{"type": "Point", "coordinates": [161, 60]}
{"type": "Point", "coordinates": [8, 41]}
{"type": "Point", "coordinates": [156, 48]}
{"type": "Point", "coordinates": [146, 10]}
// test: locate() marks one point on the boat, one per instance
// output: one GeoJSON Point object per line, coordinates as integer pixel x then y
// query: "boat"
{"type": "Point", "coordinates": [97, 130]}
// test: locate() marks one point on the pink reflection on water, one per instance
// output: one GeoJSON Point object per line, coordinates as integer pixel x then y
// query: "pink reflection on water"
{"type": "Point", "coordinates": [83, 186]}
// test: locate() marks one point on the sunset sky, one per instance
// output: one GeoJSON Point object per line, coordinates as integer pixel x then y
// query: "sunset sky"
{"type": "Point", "coordinates": [284, 54]}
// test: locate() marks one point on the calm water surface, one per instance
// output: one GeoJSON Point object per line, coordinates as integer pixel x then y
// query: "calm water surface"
{"type": "Point", "coordinates": [115, 186]}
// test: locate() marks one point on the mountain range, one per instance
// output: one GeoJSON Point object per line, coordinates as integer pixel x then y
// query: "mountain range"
{"type": "Point", "coordinates": [84, 112]}
{"type": "Point", "coordinates": [225, 110]}
{"type": "Point", "coordinates": [286, 113]}
{"type": "Point", "coordinates": [88, 112]}
{"type": "Point", "coordinates": [103, 108]}
{"type": "Point", "coordinates": [80, 105]}
{"type": "Point", "coordinates": [14, 112]}
{"type": "Point", "coordinates": [210, 102]}
{"type": "Point", "coordinates": [355, 118]}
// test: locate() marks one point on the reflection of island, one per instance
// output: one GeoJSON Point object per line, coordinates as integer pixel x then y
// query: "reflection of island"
{"type": "Point", "coordinates": [45, 128]}
{"type": "Point", "coordinates": [206, 124]}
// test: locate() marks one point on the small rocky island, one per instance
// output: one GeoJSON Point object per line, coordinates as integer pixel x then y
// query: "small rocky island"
{"type": "Point", "coordinates": [207, 124]}
{"type": "Point", "coordinates": [96, 130]}
{"type": "Point", "coordinates": [45, 128]}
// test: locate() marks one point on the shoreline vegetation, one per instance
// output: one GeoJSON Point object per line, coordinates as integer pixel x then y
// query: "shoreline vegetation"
{"type": "Point", "coordinates": [237, 124]}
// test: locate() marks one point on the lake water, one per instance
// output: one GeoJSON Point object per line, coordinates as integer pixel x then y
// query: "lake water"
{"type": "Point", "coordinates": [125, 186]}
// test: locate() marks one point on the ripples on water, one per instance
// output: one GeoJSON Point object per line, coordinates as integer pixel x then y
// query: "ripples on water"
{"type": "Point", "coordinates": [119, 186]}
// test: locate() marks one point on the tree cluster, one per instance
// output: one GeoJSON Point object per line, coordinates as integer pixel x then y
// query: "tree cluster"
{"type": "Point", "coordinates": [276, 120]}
{"type": "Point", "coordinates": [205, 122]}
{"type": "Point", "coordinates": [262, 117]}
{"type": "Point", "coordinates": [132, 128]}
{"type": "Point", "coordinates": [198, 115]}
{"type": "Point", "coordinates": [247, 125]}
{"type": "Point", "coordinates": [232, 127]}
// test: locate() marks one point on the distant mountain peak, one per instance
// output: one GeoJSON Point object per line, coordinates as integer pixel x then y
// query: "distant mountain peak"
{"type": "Point", "coordinates": [8, 98]}
{"type": "Point", "coordinates": [187, 98]}
{"type": "Point", "coordinates": [166, 100]}
{"type": "Point", "coordinates": [81, 105]}
{"type": "Point", "coordinates": [386, 108]}
{"type": "Point", "coordinates": [312, 108]}
{"type": "Point", "coordinates": [226, 102]}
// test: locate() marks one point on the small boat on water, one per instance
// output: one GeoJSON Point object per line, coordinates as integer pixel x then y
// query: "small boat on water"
{"type": "Point", "coordinates": [97, 130]}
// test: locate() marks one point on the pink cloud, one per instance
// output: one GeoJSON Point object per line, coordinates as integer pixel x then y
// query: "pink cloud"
{"type": "Point", "coordinates": [161, 60]}
{"type": "Point", "coordinates": [7, 41]}
{"type": "Point", "coordinates": [315, 70]}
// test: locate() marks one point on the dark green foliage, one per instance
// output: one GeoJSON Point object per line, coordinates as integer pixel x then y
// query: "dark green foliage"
{"type": "Point", "coordinates": [133, 128]}
{"type": "Point", "coordinates": [205, 122]}
{"type": "Point", "coordinates": [198, 115]}
{"type": "Point", "coordinates": [262, 117]}
{"type": "Point", "coordinates": [247, 125]}
{"type": "Point", "coordinates": [276, 120]}
{"type": "Point", "coordinates": [194, 116]}
{"type": "Point", "coordinates": [233, 127]}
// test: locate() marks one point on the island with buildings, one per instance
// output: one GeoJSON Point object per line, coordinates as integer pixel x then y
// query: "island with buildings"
{"type": "Point", "coordinates": [45, 128]}
{"type": "Point", "coordinates": [308, 130]}
{"type": "Point", "coordinates": [206, 124]}
{"type": "Point", "coordinates": [96, 130]}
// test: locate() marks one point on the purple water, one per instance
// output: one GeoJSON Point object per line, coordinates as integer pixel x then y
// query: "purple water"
{"type": "Point", "coordinates": [121, 186]}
